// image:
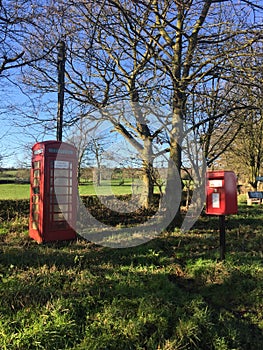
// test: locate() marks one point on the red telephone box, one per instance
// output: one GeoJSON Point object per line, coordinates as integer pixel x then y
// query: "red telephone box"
{"type": "Point", "coordinates": [221, 192]}
{"type": "Point", "coordinates": [53, 191]}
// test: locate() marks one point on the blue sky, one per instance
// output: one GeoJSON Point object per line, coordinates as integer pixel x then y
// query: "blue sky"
{"type": "Point", "coordinates": [15, 138]}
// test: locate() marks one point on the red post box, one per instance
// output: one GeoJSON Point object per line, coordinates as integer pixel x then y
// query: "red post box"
{"type": "Point", "coordinates": [53, 191]}
{"type": "Point", "coordinates": [221, 192]}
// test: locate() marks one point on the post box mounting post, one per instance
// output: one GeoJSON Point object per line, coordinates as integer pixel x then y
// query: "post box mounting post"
{"type": "Point", "coordinates": [222, 231]}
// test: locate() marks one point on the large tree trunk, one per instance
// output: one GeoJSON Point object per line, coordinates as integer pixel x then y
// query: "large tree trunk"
{"type": "Point", "coordinates": [146, 198]}
{"type": "Point", "coordinates": [146, 152]}
{"type": "Point", "coordinates": [146, 155]}
{"type": "Point", "coordinates": [173, 190]}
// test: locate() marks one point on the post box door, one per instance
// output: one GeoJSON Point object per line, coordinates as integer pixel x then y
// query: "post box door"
{"type": "Point", "coordinates": [215, 199]}
{"type": "Point", "coordinates": [221, 193]}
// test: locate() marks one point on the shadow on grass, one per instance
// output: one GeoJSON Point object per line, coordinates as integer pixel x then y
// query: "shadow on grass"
{"type": "Point", "coordinates": [144, 296]}
{"type": "Point", "coordinates": [170, 293]}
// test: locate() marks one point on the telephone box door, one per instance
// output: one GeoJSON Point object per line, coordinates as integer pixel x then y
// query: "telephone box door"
{"type": "Point", "coordinates": [53, 196]}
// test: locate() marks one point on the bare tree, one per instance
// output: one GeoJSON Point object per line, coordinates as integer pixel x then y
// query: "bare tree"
{"type": "Point", "coordinates": [11, 53]}
{"type": "Point", "coordinates": [215, 115]}
{"type": "Point", "coordinates": [91, 147]}
{"type": "Point", "coordinates": [21, 46]}
{"type": "Point", "coordinates": [79, 137]}
{"type": "Point", "coordinates": [151, 51]}
{"type": "Point", "coordinates": [19, 26]}
{"type": "Point", "coordinates": [119, 71]}
{"type": "Point", "coordinates": [197, 43]}
{"type": "Point", "coordinates": [189, 42]}
{"type": "Point", "coordinates": [246, 152]}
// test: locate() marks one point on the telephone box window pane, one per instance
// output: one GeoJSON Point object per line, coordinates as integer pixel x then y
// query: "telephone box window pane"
{"type": "Point", "coordinates": [53, 200]}
{"type": "Point", "coordinates": [35, 216]}
{"type": "Point", "coordinates": [34, 225]}
{"type": "Point", "coordinates": [36, 182]}
{"type": "Point", "coordinates": [35, 207]}
{"type": "Point", "coordinates": [58, 199]}
{"type": "Point", "coordinates": [36, 173]}
{"type": "Point", "coordinates": [36, 190]}
{"type": "Point", "coordinates": [36, 164]}
{"type": "Point", "coordinates": [61, 173]}
{"type": "Point", "coordinates": [61, 190]}
{"type": "Point", "coordinates": [60, 216]}
{"type": "Point", "coordinates": [35, 213]}
{"type": "Point", "coordinates": [60, 208]}
{"type": "Point", "coordinates": [35, 199]}
{"type": "Point", "coordinates": [61, 181]}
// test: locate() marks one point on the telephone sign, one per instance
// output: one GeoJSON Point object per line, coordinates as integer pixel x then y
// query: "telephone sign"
{"type": "Point", "coordinates": [53, 191]}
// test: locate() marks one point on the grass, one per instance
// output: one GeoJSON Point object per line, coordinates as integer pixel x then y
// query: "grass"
{"type": "Point", "coordinates": [106, 188]}
{"type": "Point", "coordinates": [14, 191]}
{"type": "Point", "coordinates": [21, 191]}
{"type": "Point", "coordinates": [171, 293]}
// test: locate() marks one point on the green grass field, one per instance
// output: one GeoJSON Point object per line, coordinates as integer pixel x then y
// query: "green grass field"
{"type": "Point", "coordinates": [14, 191]}
{"type": "Point", "coordinates": [171, 293]}
{"type": "Point", "coordinates": [21, 191]}
{"type": "Point", "coordinates": [106, 188]}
